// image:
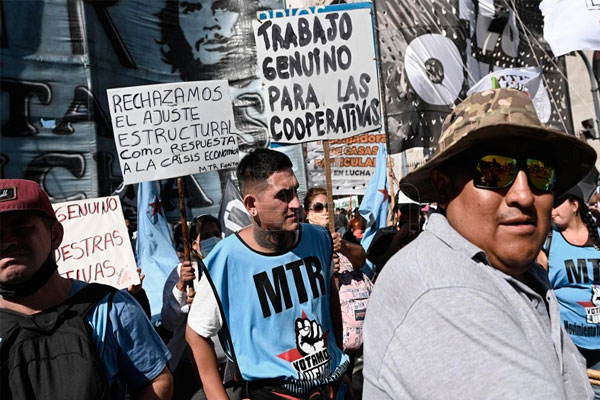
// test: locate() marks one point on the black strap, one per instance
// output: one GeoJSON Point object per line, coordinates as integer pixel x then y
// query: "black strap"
{"type": "Point", "coordinates": [547, 243]}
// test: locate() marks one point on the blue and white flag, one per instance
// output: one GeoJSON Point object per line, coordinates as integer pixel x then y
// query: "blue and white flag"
{"type": "Point", "coordinates": [155, 251]}
{"type": "Point", "coordinates": [374, 205]}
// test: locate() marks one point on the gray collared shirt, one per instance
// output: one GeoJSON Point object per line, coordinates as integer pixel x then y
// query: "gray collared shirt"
{"type": "Point", "coordinates": [442, 323]}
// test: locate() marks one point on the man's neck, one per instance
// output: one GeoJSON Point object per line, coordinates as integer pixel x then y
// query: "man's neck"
{"type": "Point", "coordinates": [267, 241]}
{"type": "Point", "coordinates": [55, 291]}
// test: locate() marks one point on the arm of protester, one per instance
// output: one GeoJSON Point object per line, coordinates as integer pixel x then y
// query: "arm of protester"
{"type": "Point", "coordinates": [353, 252]}
{"type": "Point", "coordinates": [135, 289]}
{"type": "Point", "coordinates": [542, 259]}
{"type": "Point", "coordinates": [140, 353]}
{"type": "Point", "coordinates": [139, 294]}
{"type": "Point", "coordinates": [161, 388]}
{"type": "Point", "coordinates": [173, 300]}
{"type": "Point", "coordinates": [206, 362]}
{"type": "Point", "coordinates": [336, 314]}
{"type": "Point", "coordinates": [455, 326]}
{"type": "Point", "coordinates": [187, 277]}
{"type": "Point", "coordinates": [204, 321]}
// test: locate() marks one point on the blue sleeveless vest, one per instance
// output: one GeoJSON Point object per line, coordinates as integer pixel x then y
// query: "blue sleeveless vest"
{"type": "Point", "coordinates": [574, 272]}
{"type": "Point", "coordinates": [277, 309]}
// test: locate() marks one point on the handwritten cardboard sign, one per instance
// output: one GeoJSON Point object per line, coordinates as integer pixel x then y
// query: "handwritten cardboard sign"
{"type": "Point", "coordinates": [95, 246]}
{"type": "Point", "coordinates": [175, 129]}
{"type": "Point", "coordinates": [320, 73]}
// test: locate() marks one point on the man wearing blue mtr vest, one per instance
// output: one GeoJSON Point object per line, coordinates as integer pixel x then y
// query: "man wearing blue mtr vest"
{"type": "Point", "coordinates": [275, 299]}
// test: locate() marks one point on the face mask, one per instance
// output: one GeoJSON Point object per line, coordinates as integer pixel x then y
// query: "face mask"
{"type": "Point", "coordinates": [37, 280]}
{"type": "Point", "coordinates": [207, 245]}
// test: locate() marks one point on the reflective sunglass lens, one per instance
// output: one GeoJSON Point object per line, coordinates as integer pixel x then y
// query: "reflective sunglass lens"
{"type": "Point", "coordinates": [495, 172]}
{"type": "Point", "coordinates": [541, 175]}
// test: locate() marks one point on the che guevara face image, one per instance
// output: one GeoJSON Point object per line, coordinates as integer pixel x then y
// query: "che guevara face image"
{"type": "Point", "coordinates": [208, 26]}
{"type": "Point", "coordinates": [201, 38]}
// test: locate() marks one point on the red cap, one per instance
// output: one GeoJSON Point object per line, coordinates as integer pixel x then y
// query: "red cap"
{"type": "Point", "coordinates": [24, 195]}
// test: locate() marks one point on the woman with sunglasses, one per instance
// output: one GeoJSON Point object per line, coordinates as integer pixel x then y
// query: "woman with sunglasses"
{"type": "Point", "coordinates": [574, 272]}
{"type": "Point", "coordinates": [315, 206]}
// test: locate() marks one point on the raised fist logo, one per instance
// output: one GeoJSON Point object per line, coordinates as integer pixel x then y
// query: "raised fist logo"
{"type": "Point", "coordinates": [596, 296]}
{"type": "Point", "coordinates": [309, 336]}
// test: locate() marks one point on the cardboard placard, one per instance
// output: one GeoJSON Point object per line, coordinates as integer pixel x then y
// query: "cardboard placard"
{"type": "Point", "coordinates": [352, 162]}
{"type": "Point", "coordinates": [96, 245]}
{"type": "Point", "coordinates": [320, 73]}
{"type": "Point", "coordinates": [175, 129]}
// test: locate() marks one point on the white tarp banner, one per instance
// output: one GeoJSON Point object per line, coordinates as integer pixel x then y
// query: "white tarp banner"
{"type": "Point", "coordinates": [571, 25]}
{"type": "Point", "coordinates": [319, 72]}
{"type": "Point", "coordinates": [171, 130]}
{"type": "Point", "coordinates": [95, 246]}
{"type": "Point", "coordinates": [527, 80]}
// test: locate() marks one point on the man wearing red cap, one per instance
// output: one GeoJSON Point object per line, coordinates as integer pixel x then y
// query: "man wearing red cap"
{"type": "Point", "coordinates": [36, 301]}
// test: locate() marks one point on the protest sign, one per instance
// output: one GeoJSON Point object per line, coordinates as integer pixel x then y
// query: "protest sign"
{"type": "Point", "coordinates": [319, 71]}
{"type": "Point", "coordinates": [352, 162]}
{"type": "Point", "coordinates": [95, 246]}
{"type": "Point", "coordinates": [170, 130]}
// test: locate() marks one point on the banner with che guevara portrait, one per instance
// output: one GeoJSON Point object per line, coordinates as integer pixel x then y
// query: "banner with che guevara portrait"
{"type": "Point", "coordinates": [55, 70]}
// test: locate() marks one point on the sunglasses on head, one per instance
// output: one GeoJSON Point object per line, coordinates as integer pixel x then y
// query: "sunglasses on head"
{"type": "Point", "coordinates": [499, 172]}
{"type": "Point", "coordinates": [318, 207]}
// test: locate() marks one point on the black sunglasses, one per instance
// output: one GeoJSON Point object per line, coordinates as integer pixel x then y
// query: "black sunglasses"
{"type": "Point", "coordinates": [499, 172]}
{"type": "Point", "coordinates": [318, 207]}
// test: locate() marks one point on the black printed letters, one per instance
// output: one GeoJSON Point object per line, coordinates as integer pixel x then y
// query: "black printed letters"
{"type": "Point", "coordinates": [277, 291]}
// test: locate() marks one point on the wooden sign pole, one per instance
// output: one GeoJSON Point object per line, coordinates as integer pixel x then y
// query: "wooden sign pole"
{"type": "Point", "coordinates": [327, 159]}
{"type": "Point", "coordinates": [184, 228]}
{"type": "Point", "coordinates": [330, 212]}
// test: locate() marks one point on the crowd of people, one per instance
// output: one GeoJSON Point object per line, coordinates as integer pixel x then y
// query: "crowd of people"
{"type": "Point", "coordinates": [495, 296]}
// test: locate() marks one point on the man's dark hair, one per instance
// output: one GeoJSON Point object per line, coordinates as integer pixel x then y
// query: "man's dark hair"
{"type": "Point", "coordinates": [258, 165]}
{"type": "Point", "coordinates": [196, 226]}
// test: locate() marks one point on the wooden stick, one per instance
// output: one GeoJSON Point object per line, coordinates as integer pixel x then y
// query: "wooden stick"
{"type": "Point", "coordinates": [383, 91]}
{"type": "Point", "coordinates": [330, 212]}
{"type": "Point", "coordinates": [327, 159]}
{"type": "Point", "coordinates": [184, 229]}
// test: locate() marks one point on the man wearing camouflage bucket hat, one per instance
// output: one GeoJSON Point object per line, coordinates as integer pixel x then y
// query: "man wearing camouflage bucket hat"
{"type": "Point", "coordinates": [464, 311]}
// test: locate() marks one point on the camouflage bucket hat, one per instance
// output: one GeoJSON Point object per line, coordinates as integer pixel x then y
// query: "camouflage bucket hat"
{"type": "Point", "coordinates": [501, 115]}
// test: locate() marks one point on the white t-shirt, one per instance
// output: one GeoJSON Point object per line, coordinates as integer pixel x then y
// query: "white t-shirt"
{"type": "Point", "coordinates": [204, 317]}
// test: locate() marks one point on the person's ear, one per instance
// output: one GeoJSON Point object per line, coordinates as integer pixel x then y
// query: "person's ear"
{"type": "Point", "coordinates": [250, 204]}
{"type": "Point", "coordinates": [443, 186]}
{"type": "Point", "coordinates": [56, 235]}
{"type": "Point", "coordinates": [575, 206]}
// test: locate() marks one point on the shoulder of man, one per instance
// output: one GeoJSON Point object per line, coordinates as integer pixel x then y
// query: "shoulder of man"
{"type": "Point", "coordinates": [427, 263]}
